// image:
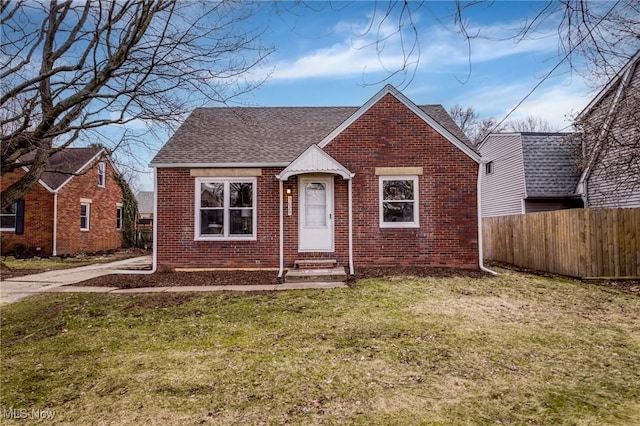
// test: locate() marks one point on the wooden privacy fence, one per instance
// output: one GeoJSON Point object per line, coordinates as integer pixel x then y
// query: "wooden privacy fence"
{"type": "Point", "coordinates": [584, 243]}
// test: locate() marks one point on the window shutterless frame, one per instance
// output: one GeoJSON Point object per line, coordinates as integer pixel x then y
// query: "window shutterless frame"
{"type": "Point", "coordinates": [102, 174]}
{"type": "Point", "coordinates": [119, 217]}
{"type": "Point", "coordinates": [399, 202]}
{"type": "Point", "coordinates": [85, 215]}
{"type": "Point", "coordinates": [225, 209]}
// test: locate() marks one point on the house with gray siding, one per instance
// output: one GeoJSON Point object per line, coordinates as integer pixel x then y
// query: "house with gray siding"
{"type": "Point", "coordinates": [529, 172]}
{"type": "Point", "coordinates": [610, 127]}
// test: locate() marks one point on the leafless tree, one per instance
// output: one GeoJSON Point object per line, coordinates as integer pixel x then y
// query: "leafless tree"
{"type": "Point", "coordinates": [465, 118]}
{"type": "Point", "coordinates": [475, 128]}
{"type": "Point", "coordinates": [530, 124]}
{"type": "Point", "coordinates": [82, 69]}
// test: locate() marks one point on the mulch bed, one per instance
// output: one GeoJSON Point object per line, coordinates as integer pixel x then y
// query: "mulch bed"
{"type": "Point", "coordinates": [173, 279]}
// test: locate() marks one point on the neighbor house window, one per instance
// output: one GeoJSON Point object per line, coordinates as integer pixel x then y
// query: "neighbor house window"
{"type": "Point", "coordinates": [119, 216]}
{"type": "Point", "coordinates": [225, 208]}
{"type": "Point", "coordinates": [85, 212]}
{"type": "Point", "coordinates": [488, 168]}
{"type": "Point", "coordinates": [399, 202]}
{"type": "Point", "coordinates": [102, 173]}
{"type": "Point", "coordinates": [8, 218]}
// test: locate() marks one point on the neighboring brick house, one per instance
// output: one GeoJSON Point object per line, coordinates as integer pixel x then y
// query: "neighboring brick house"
{"type": "Point", "coordinates": [528, 173]}
{"type": "Point", "coordinates": [386, 184]}
{"type": "Point", "coordinates": [75, 207]}
{"type": "Point", "coordinates": [610, 126]}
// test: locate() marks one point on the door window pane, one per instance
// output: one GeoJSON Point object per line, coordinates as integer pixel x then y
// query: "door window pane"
{"type": "Point", "coordinates": [315, 205]}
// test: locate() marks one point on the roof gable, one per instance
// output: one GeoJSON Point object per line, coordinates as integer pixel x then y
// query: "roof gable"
{"type": "Point", "coordinates": [275, 136]}
{"type": "Point", "coordinates": [313, 160]}
{"type": "Point", "coordinates": [613, 83]}
{"type": "Point", "coordinates": [64, 164]}
{"type": "Point", "coordinates": [460, 141]}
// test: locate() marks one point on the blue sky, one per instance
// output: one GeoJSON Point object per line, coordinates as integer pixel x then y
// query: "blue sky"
{"type": "Point", "coordinates": [325, 57]}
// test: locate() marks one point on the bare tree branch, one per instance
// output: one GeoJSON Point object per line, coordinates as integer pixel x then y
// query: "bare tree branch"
{"type": "Point", "coordinates": [70, 68]}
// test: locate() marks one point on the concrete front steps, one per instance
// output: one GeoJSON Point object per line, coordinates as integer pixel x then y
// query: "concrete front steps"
{"type": "Point", "coordinates": [315, 271]}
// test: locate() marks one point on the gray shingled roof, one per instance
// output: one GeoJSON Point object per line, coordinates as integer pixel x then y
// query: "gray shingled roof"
{"type": "Point", "coordinates": [145, 201]}
{"type": "Point", "coordinates": [263, 135]}
{"type": "Point", "coordinates": [61, 165]}
{"type": "Point", "coordinates": [549, 164]}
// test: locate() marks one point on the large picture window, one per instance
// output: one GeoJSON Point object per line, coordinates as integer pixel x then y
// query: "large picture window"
{"type": "Point", "coordinates": [399, 202]}
{"type": "Point", "coordinates": [225, 208]}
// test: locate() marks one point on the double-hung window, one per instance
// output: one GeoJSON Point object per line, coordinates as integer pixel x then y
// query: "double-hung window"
{"type": "Point", "coordinates": [399, 202]}
{"type": "Point", "coordinates": [8, 218]}
{"type": "Point", "coordinates": [102, 173]}
{"type": "Point", "coordinates": [119, 217]}
{"type": "Point", "coordinates": [225, 209]}
{"type": "Point", "coordinates": [85, 210]}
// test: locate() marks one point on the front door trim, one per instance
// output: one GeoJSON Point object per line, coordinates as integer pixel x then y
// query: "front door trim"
{"type": "Point", "coordinates": [316, 239]}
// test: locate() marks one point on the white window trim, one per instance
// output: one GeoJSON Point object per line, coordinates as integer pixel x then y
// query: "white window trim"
{"type": "Point", "coordinates": [416, 202]}
{"type": "Point", "coordinates": [489, 168]}
{"type": "Point", "coordinates": [15, 217]}
{"type": "Point", "coordinates": [88, 215]}
{"type": "Point", "coordinates": [119, 216]}
{"type": "Point", "coordinates": [102, 174]}
{"type": "Point", "coordinates": [224, 236]}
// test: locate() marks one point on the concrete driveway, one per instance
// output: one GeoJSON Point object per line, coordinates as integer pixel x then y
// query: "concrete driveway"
{"type": "Point", "coordinates": [14, 289]}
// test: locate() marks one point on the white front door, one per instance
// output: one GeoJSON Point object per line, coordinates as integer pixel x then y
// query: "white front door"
{"type": "Point", "coordinates": [315, 221]}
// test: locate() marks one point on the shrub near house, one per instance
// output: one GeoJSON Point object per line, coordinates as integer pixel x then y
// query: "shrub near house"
{"type": "Point", "coordinates": [75, 207]}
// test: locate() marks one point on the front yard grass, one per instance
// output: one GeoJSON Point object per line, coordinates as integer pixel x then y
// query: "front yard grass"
{"type": "Point", "coordinates": [513, 349]}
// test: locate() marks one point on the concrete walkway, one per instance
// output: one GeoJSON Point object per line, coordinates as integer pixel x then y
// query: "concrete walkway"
{"type": "Point", "coordinates": [15, 289]}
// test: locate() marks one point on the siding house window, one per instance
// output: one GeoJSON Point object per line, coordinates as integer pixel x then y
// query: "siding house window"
{"type": "Point", "coordinates": [399, 202]}
{"type": "Point", "coordinates": [225, 209]}
{"type": "Point", "coordinates": [8, 218]}
{"type": "Point", "coordinates": [102, 173]}
{"type": "Point", "coordinates": [119, 216]}
{"type": "Point", "coordinates": [488, 168]}
{"type": "Point", "coordinates": [85, 212]}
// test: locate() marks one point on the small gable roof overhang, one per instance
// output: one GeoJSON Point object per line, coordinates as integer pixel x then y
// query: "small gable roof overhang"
{"type": "Point", "coordinates": [314, 160]}
{"type": "Point", "coordinates": [389, 89]}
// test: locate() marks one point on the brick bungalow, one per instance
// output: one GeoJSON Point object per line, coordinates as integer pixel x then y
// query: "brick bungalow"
{"type": "Point", "coordinates": [389, 183]}
{"type": "Point", "coordinates": [75, 207]}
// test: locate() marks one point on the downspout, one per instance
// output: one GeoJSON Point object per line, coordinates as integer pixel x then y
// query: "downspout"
{"type": "Point", "coordinates": [480, 249]}
{"type": "Point", "coordinates": [351, 270]}
{"type": "Point", "coordinates": [154, 264]}
{"type": "Point", "coordinates": [55, 224]}
{"type": "Point", "coordinates": [281, 271]}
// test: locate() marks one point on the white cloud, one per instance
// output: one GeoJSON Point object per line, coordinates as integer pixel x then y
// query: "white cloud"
{"type": "Point", "coordinates": [380, 50]}
{"type": "Point", "coordinates": [555, 101]}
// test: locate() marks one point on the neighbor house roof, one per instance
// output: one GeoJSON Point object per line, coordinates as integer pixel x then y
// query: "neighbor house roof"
{"type": "Point", "coordinates": [145, 201]}
{"type": "Point", "coordinates": [264, 135]}
{"type": "Point", "coordinates": [550, 164]}
{"type": "Point", "coordinates": [62, 165]}
{"type": "Point", "coordinates": [611, 85]}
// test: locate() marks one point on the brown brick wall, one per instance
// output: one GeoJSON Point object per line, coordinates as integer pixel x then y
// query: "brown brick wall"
{"type": "Point", "coordinates": [387, 135]}
{"type": "Point", "coordinates": [38, 219]}
{"type": "Point", "coordinates": [102, 234]}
